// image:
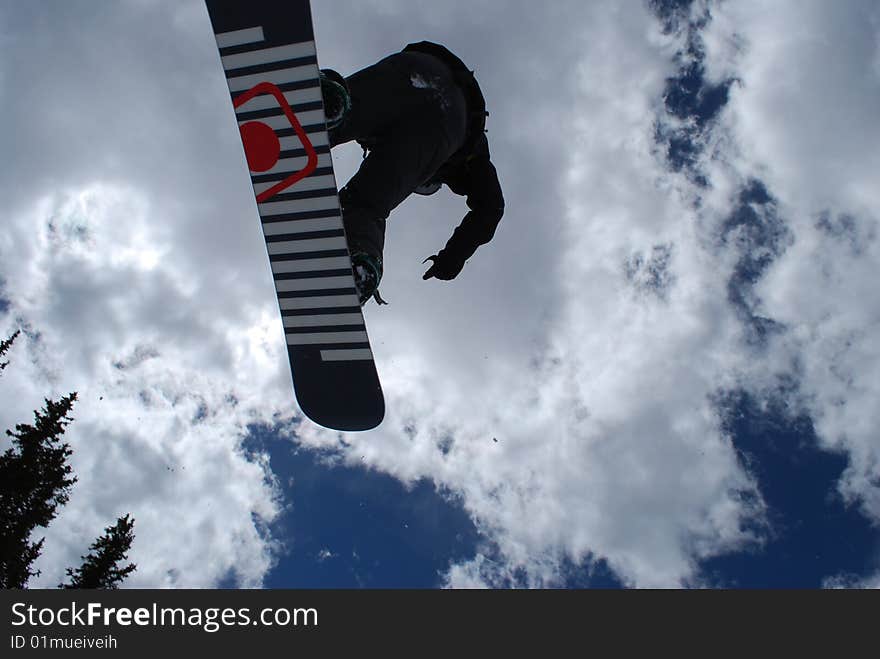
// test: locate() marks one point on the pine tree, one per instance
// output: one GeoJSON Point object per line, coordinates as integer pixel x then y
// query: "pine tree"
{"type": "Point", "coordinates": [100, 568]}
{"type": "Point", "coordinates": [35, 480]}
{"type": "Point", "coordinates": [5, 345]}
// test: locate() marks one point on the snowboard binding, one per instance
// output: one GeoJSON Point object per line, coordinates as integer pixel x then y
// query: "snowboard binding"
{"type": "Point", "coordinates": [337, 101]}
{"type": "Point", "coordinates": [367, 272]}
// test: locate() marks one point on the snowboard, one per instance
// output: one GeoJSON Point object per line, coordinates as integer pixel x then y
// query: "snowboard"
{"type": "Point", "coordinates": [267, 50]}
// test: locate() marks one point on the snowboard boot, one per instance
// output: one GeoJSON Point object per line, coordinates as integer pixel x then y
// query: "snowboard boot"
{"type": "Point", "coordinates": [337, 101]}
{"type": "Point", "coordinates": [367, 275]}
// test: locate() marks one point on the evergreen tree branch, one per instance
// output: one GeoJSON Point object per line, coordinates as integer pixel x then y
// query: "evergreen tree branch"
{"type": "Point", "coordinates": [5, 345]}
{"type": "Point", "coordinates": [35, 479]}
{"type": "Point", "coordinates": [100, 568]}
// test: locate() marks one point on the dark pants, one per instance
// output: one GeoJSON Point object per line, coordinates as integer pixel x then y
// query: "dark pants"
{"type": "Point", "coordinates": [409, 111]}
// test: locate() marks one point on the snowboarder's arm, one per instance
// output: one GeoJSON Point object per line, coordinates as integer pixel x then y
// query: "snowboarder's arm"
{"type": "Point", "coordinates": [486, 204]}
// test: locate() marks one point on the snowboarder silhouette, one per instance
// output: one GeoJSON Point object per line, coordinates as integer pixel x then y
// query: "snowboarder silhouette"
{"type": "Point", "coordinates": [420, 117]}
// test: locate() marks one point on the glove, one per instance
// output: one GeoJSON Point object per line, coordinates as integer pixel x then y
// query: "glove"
{"type": "Point", "coordinates": [443, 267]}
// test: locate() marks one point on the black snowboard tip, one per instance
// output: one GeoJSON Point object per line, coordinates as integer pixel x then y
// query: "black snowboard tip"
{"type": "Point", "coordinates": [344, 396]}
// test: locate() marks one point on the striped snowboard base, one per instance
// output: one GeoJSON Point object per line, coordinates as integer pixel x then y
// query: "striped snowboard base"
{"type": "Point", "coordinates": [267, 49]}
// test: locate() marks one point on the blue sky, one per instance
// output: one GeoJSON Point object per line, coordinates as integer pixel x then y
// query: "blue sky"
{"type": "Point", "coordinates": [355, 528]}
{"type": "Point", "coordinates": [812, 532]}
{"type": "Point", "coordinates": [661, 373]}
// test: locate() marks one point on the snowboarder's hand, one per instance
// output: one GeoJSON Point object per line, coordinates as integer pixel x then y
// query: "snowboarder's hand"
{"type": "Point", "coordinates": [442, 267]}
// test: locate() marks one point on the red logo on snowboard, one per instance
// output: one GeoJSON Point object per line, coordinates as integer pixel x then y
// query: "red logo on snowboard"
{"type": "Point", "coordinates": [261, 145]}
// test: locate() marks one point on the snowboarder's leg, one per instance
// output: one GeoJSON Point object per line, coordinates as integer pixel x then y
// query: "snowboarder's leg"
{"type": "Point", "coordinates": [413, 115]}
{"type": "Point", "coordinates": [387, 176]}
{"type": "Point", "coordinates": [395, 167]}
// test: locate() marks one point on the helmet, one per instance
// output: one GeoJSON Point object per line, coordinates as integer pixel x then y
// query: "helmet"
{"type": "Point", "coordinates": [337, 101]}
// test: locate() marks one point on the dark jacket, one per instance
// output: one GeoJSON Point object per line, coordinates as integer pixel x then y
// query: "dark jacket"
{"type": "Point", "coordinates": [469, 172]}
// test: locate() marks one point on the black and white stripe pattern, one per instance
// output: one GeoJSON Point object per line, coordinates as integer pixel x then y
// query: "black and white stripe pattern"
{"type": "Point", "coordinates": [302, 224]}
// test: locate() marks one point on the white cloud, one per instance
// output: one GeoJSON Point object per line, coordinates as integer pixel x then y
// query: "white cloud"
{"type": "Point", "coordinates": [804, 118]}
{"type": "Point", "coordinates": [850, 581]}
{"type": "Point", "coordinates": [155, 434]}
{"type": "Point", "coordinates": [607, 442]}
{"type": "Point", "coordinates": [614, 451]}
{"type": "Point", "coordinates": [804, 114]}
{"type": "Point", "coordinates": [587, 339]}
{"type": "Point", "coordinates": [125, 256]}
